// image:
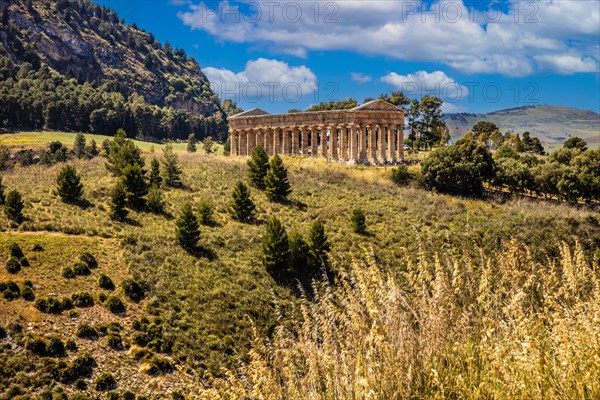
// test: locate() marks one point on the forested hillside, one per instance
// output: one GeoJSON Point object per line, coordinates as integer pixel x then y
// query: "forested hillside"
{"type": "Point", "coordinates": [73, 65]}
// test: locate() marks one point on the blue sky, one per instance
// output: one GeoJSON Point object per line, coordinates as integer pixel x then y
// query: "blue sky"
{"type": "Point", "coordinates": [477, 56]}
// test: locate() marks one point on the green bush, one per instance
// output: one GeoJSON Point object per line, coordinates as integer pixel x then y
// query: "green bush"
{"type": "Point", "coordinates": [49, 305]}
{"type": "Point", "coordinates": [115, 305]}
{"type": "Point", "coordinates": [205, 213]}
{"type": "Point", "coordinates": [89, 260]}
{"type": "Point", "coordinates": [401, 175]}
{"type": "Point", "coordinates": [16, 251]}
{"type": "Point", "coordinates": [105, 282]}
{"type": "Point", "coordinates": [82, 300]}
{"type": "Point", "coordinates": [114, 341]}
{"type": "Point", "coordinates": [81, 268]}
{"type": "Point", "coordinates": [68, 185]}
{"type": "Point", "coordinates": [127, 395]}
{"type": "Point", "coordinates": [2, 332]}
{"type": "Point", "coordinates": [13, 265]}
{"type": "Point", "coordinates": [37, 247]}
{"type": "Point", "coordinates": [80, 384]}
{"type": "Point", "coordinates": [86, 331]}
{"type": "Point", "coordinates": [358, 221]}
{"type": "Point", "coordinates": [36, 346]}
{"type": "Point", "coordinates": [187, 229]}
{"type": "Point", "coordinates": [155, 201]}
{"type": "Point", "coordinates": [68, 273]}
{"type": "Point", "coordinates": [106, 381]}
{"type": "Point", "coordinates": [13, 206]}
{"type": "Point", "coordinates": [55, 347]}
{"type": "Point", "coordinates": [133, 290]}
{"type": "Point", "coordinates": [27, 294]}
{"type": "Point", "coordinates": [71, 345]}
{"type": "Point", "coordinates": [242, 207]}
{"type": "Point", "coordinates": [10, 290]}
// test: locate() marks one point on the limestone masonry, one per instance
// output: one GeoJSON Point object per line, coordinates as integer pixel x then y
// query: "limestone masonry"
{"type": "Point", "coordinates": [371, 133]}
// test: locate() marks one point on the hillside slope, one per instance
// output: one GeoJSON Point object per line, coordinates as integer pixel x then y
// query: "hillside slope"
{"type": "Point", "coordinates": [551, 124]}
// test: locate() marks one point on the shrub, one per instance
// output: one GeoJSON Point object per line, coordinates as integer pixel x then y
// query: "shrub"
{"type": "Point", "coordinates": [36, 346]}
{"type": "Point", "coordinates": [459, 169]}
{"type": "Point", "coordinates": [24, 262]}
{"type": "Point", "coordinates": [55, 347]}
{"type": "Point", "coordinates": [38, 247]}
{"type": "Point", "coordinates": [66, 303]}
{"type": "Point", "coordinates": [358, 221]}
{"type": "Point", "coordinates": [68, 273]}
{"type": "Point", "coordinates": [102, 297]}
{"type": "Point", "coordinates": [133, 289]}
{"type": "Point", "coordinates": [118, 199]}
{"type": "Point", "coordinates": [157, 365]}
{"type": "Point", "coordinates": [84, 363]}
{"type": "Point", "coordinates": [16, 251]}
{"type": "Point", "coordinates": [155, 201]}
{"type": "Point", "coordinates": [171, 170]}
{"type": "Point", "coordinates": [401, 175]}
{"type": "Point", "coordinates": [13, 206]}
{"type": "Point", "coordinates": [318, 243]}
{"type": "Point", "coordinates": [71, 345]}
{"type": "Point", "coordinates": [187, 229]}
{"type": "Point", "coordinates": [105, 282]}
{"type": "Point", "coordinates": [106, 381]}
{"type": "Point", "coordinates": [27, 294]}
{"type": "Point", "coordinates": [155, 178]}
{"type": "Point", "coordinates": [115, 305]}
{"type": "Point", "coordinates": [49, 305]}
{"type": "Point", "coordinates": [80, 384]}
{"type": "Point", "coordinates": [81, 268]}
{"type": "Point", "coordinates": [205, 213]}
{"type": "Point", "coordinates": [10, 290]}
{"type": "Point", "coordinates": [13, 265]}
{"type": "Point", "coordinates": [127, 395]}
{"type": "Point", "coordinates": [242, 207]}
{"type": "Point", "coordinates": [89, 260]}
{"type": "Point", "coordinates": [68, 185]}
{"type": "Point", "coordinates": [86, 331]}
{"type": "Point", "coordinates": [114, 341]}
{"type": "Point", "coordinates": [2, 332]}
{"type": "Point", "coordinates": [82, 300]}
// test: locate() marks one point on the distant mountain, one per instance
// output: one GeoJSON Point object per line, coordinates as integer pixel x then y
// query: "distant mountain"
{"type": "Point", "coordinates": [551, 124]}
{"type": "Point", "coordinates": [76, 49]}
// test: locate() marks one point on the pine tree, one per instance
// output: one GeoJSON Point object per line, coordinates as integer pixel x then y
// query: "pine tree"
{"type": "Point", "coordinates": [276, 250]}
{"type": "Point", "coordinates": [68, 185]}
{"type": "Point", "coordinates": [13, 206]}
{"type": "Point", "coordinates": [277, 186]}
{"type": "Point", "coordinates": [123, 152]}
{"type": "Point", "coordinates": [171, 169]}
{"type": "Point", "coordinates": [118, 199]}
{"type": "Point", "coordinates": [79, 146]}
{"type": "Point", "coordinates": [258, 165]}
{"type": "Point", "coordinates": [242, 206]}
{"type": "Point", "coordinates": [155, 178]}
{"type": "Point", "coordinates": [358, 221]}
{"type": "Point", "coordinates": [2, 194]}
{"type": "Point", "coordinates": [208, 145]}
{"type": "Point", "coordinates": [92, 150]}
{"type": "Point", "coordinates": [191, 145]}
{"type": "Point", "coordinates": [155, 201]}
{"type": "Point", "coordinates": [318, 244]}
{"type": "Point", "coordinates": [205, 213]}
{"type": "Point", "coordinates": [135, 186]}
{"type": "Point", "coordinates": [187, 229]}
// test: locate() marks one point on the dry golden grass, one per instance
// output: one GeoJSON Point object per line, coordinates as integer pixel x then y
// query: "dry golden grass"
{"type": "Point", "coordinates": [449, 328]}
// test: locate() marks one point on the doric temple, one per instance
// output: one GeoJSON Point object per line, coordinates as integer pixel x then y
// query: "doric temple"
{"type": "Point", "coordinates": [371, 133]}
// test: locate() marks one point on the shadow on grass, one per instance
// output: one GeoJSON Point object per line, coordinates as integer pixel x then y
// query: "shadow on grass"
{"type": "Point", "coordinates": [202, 252]}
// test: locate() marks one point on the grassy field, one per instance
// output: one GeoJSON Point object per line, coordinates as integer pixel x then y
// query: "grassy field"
{"type": "Point", "coordinates": [40, 139]}
{"type": "Point", "coordinates": [210, 303]}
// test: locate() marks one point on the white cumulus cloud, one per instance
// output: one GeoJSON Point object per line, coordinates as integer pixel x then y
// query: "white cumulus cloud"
{"type": "Point", "coordinates": [360, 78]}
{"type": "Point", "coordinates": [435, 83]}
{"type": "Point", "coordinates": [262, 79]}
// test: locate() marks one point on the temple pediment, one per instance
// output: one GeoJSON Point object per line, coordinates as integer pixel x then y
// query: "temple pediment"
{"type": "Point", "coordinates": [377, 105]}
{"type": "Point", "coordinates": [250, 113]}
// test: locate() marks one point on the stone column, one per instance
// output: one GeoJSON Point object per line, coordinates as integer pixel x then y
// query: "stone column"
{"type": "Point", "coordinates": [400, 129]}
{"type": "Point", "coordinates": [362, 143]}
{"type": "Point", "coordinates": [233, 142]}
{"type": "Point", "coordinates": [381, 144]}
{"type": "Point", "coordinates": [333, 139]}
{"type": "Point", "coordinates": [323, 130]}
{"type": "Point", "coordinates": [353, 144]}
{"type": "Point", "coordinates": [251, 140]}
{"type": "Point", "coordinates": [294, 151]}
{"type": "Point", "coordinates": [391, 144]}
{"type": "Point", "coordinates": [372, 149]}
{"type": "Point", "coordinates": [343, 143]}
{"type": "Point", "coordinates": [313, 141]}
{"type": "Point", "coordinates": [304, 140]}
{"type": "Point", "coordinates": [269, 141]}
{"type": "Point", "coordinates": [285, 139]}
{"type": "Point", "coordinates": [243, 143]}
{"type": "Point", "coordinates": [276, 141]}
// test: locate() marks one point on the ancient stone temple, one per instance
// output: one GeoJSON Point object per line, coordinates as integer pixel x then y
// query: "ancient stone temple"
{"type": "Point", "coordinates": [371, 133]}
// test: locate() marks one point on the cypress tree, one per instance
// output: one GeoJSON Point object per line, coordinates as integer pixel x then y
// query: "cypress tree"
{"type": "Point", "coordinates": [277, 186]}
{"type": "Point", "coordinates": [242, 206]}
{"type": "Point", "coordinates": [135, 186]}
{"type": "Point", "coordinates": [79, 145]}
{"type": "Point", "coordinates": [118, 199]}
{"type": "Point", "coordinates": [318, 244]}
{"type": "Point", "coordinates": [68, 185]}
{"type": "Point", "coordinates": [258, 165]}
{"type": "Point", "coordinates": [155, 178]}
{"type": "Point", "coordinates": [276, 250]}
{"type": "Point", "coordinates": [171, 168]}
{"type": "Point", "coordinates": [191, 145]}
{"type": "Point", "coordinates": [13, 206]}
{"type": "Point", "coordinates": [187, 228]}
{"type": "Point", "coordinates": [358, 221]}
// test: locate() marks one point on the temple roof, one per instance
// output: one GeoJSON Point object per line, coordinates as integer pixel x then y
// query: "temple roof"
{"type": "Point", "coordinates": [377, 105]}
{"type": "Point", "coordinates": [250, 113]}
